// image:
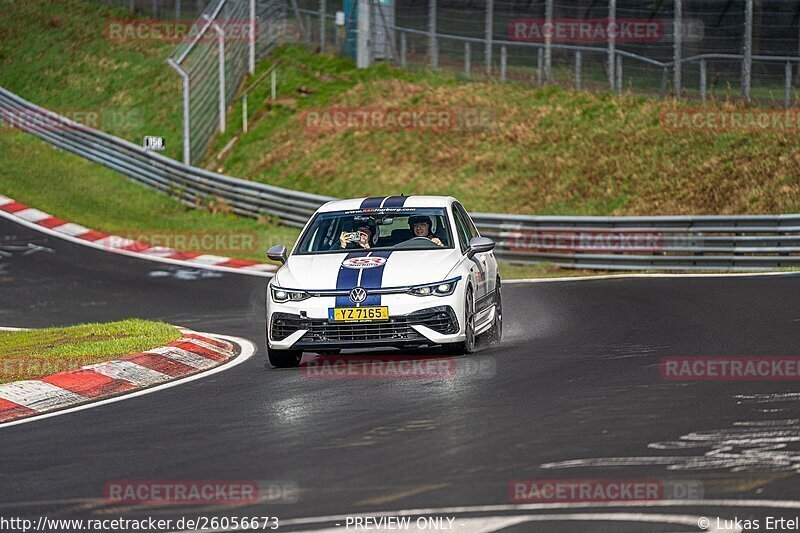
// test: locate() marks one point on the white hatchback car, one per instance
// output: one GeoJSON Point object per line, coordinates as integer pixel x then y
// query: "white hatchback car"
{"type": "Point", "coordinates": [397, 271]}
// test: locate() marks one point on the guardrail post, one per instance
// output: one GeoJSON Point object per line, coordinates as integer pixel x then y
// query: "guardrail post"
{"type": "Point", "coordinates": [433, 46]}
{"type": "Point", "coordinates": [747, 62]}
{"type": "Point", "coordinates": [403, 47]}
{"type": "Point", "coordinates": [322, 11]}
{"type": "Point", "coordinates": [187, 145]}
{"type": "Point", "coordinates": [489, 35]}
{"type": "Point", "coordinates": [612, 38]}
{"type": "Point", "coordinates": [540, 66]}
{"type": "Point", "coordinates": [787, 94]}
{"type": "Point", "coordinates": [251, 64]}
{"type": "Point", "coordinates": [618, 81]}
{"type": "Point", "coordinates": [548, 40]}
{"type": "Point", "coordinates": [467, 60]}
{"type": "Point", "coordinates": [677, 48]}
{"type": "Point", "coordinates": [703, 80]}
{"type": "Point", "coordinates": [503, 63]}
{"type": "Point", "coordinates": [578, 70]}
{"type": "Point", "coordinates": [221, 65]}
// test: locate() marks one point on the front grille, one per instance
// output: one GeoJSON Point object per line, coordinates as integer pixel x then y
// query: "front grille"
{"type": "Point", "coordinates": [440, 319]}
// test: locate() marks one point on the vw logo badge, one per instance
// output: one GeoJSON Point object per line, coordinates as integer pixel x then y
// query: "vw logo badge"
{"type": "Point", "coordinates": [358, 295]}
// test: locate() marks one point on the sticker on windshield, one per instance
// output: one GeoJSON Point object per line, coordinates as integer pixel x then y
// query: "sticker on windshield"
{"type": "Point", "coordinates": [359, 263]}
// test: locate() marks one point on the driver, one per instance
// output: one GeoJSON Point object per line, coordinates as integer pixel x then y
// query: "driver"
{"type": "Point", "coordinates": [365, 232]}
{"type": "Point", "coordinates": [421, 227]}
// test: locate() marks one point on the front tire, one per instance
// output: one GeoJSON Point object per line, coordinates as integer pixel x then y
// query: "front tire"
{"type": "Point", "coordinates": [470, 342]}
{"type": "Point", "coordinates": [284, 358]}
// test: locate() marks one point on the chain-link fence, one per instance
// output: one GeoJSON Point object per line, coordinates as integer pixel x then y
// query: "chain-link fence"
{"type": "Point", "coordinates": [685, 48]}
{"type": "Point", "coordinates": [222, 40]}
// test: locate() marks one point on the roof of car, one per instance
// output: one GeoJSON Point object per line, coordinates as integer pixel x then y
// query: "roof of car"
{"type": "Point", "coordinates": [374, 202]}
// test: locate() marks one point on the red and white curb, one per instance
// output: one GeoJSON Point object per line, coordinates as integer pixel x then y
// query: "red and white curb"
{"type": "Point", "coordinates": [41, 221]}
{"type": "Point", "coordinates": [191, 354]}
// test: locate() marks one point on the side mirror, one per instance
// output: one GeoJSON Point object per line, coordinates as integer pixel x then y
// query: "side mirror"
{"type": "Point", "coordinates": [278, 253]}
{"type": "Point", "coordinates": [479, 245]}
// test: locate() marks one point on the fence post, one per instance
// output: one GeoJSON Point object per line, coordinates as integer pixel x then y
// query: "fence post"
{"type": "Point", "coordinates": [221, 65]}
{"type": "Point", "coordinates": [364, 37]}
{"type": "Point", "coordinates": [273, 93]}
{"type": "Point", "coordinates": [548, 40]}
{"type": "Point", "coordinates": [155, 9]}
{"type": "Point", "coordinates": [322, 11]}
{"type": "Point", "coordinates": [677, 46]}
{"type": "Point", "coordinates": [433, 48]}
{"type": "Point", "coordinates": [747, 62]}
{"type": "Point", "coordinates": [787, 95]}
{"type": "Point", "coordinates": [577, 70]}
{"type": "Point", "coordinates": [467, 60]}
{"type": "Point", "coordinates": [187, 145]}
{"type": "Point", "coordinates": [177, 9]}
{"type": "Point", "coordinates": [308, 30]}
{"type": "Point", "coordinates": [539, 65]}
{"type": "Point", "coordinates": [244, 112]}
{"type": "Point", "coordinates": [612, 38]}
{"type": "Point", "coordinates": [403, 46]}
{"type": "Point", "coordinates": [618, 81]}
{"type": "Point", "coordinates": [703, 80]}
{"type": "Point", "coordinates": [489, 35]}
{"type": "Point", "coordinates": [664, 76]}
{"type": "Point", "coordinates": [251, 65]}
{"type": "Point", "coordinates": [503, 63]}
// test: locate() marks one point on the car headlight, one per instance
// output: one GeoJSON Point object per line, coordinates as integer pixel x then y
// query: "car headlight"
{"type": "Point", "coordinates": [285, 295]}
{"type": "Point", "coordinates": [440, 288]}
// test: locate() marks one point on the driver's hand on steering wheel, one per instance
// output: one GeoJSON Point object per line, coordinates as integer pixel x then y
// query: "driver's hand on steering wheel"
{"type": "Point", "coordinates": [437, 241]}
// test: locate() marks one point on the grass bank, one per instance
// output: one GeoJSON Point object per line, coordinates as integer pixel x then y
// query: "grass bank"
{"type": "Point", "coordinates": [41, 352]}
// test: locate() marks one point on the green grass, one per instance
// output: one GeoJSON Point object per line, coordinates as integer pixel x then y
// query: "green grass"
{"type": "Point", "coordinates": [38, 353]}
{"type": "Point", "coordinates": [76, 190]}
{"type": "Point", "coordinates": [54, 53]}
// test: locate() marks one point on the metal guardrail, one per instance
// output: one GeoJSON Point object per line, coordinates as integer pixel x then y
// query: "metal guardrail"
{"type": "Point", "coordinates": [756, 242]}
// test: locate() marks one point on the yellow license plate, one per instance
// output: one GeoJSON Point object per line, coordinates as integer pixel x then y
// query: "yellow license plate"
{"type": "Point", "coordinates": [359, 314]}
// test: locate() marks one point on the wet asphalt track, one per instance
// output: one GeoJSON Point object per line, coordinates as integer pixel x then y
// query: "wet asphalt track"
{"type": "Point", "coordinates": [576, 377]}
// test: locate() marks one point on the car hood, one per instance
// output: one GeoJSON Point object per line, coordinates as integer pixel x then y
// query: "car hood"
{"type": "Point", "coordinates": [401, 268]}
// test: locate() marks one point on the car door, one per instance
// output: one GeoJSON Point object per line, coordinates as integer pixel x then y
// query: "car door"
{"type": "Point", "coordinates": [479, 263]}
{"type": "Point", "coordinates": [489, 260]}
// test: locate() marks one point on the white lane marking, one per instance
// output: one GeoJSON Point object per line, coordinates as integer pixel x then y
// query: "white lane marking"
{"type": "Point", "coordinates": [8, 328]}
{"type": "Point", "coordinates": [128, 371]}
{"type": "Point", "coordinates": [207, 345]}
{"type": "Point", "coordinates": [259, 267]}
{"type": "Point", "coordinates": [38, 395]}
{"type": "Point", "coordinates": [248, 348]}
{"type": "Point", "coordinates": [32, 215]}
{"type": "Point", "coordinates": [182, 356]}
{"type": "Point", "coordinates": [444, 511]}
{"type": "Point", "coordinates": [159, 251]}
{"type": "Point", "coordinates": [208, 259]}
{"type": "Point", "coordinates": [68, 231]}
{"type": "Point", "coordinates": [490, 524]}
{"type": "Point", "coordinates": [664, 275]}
{"type": "Point", "coordinates": [112, 241]}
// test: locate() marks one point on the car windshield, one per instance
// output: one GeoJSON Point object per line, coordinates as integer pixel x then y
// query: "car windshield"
{"type": "Point", "coordinates": [377, 229]}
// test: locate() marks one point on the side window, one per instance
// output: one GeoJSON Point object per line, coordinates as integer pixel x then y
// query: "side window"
{"type": "Point", "coordinates": [473, 231]}
{"type": "Point", "coordinates": [461, 229]}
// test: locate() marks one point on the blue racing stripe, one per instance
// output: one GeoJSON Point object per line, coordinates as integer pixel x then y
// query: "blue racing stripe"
{"type": "Point", "coordinates": [395, 201]}
{"type": "Point", "coordinates": [372, 202]}
{"type": "Point", "coordinates": [348, 279]}
{"type": "Point", "coordinates": [372, 278]}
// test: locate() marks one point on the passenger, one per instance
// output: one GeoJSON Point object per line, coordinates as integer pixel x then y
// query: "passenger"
{"type": "Point", "coordinates": [365, 232]}
{"type": "Point", "coordinates": [421, 227]}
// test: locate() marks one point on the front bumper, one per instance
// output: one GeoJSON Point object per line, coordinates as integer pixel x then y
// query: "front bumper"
{"type": "Point", "coordinates": [429, 326]}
